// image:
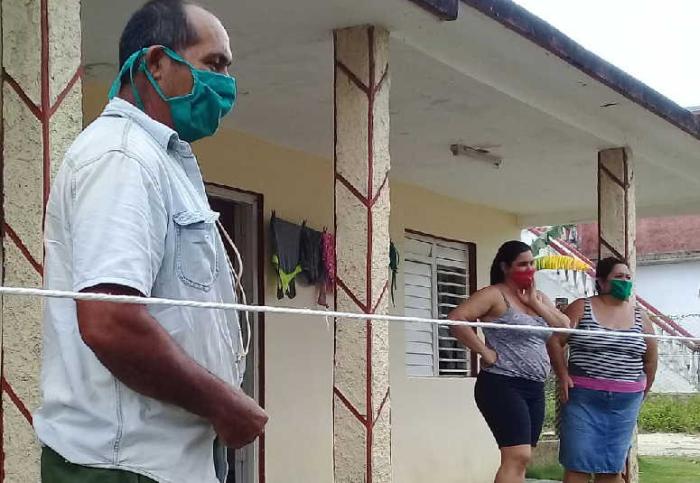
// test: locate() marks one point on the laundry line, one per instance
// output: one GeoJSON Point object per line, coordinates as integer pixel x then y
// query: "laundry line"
{"type": "Point", "coordinates": [153, 301]}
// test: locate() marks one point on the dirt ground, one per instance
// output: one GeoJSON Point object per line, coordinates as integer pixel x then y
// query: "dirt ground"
{"type": "Point", "coordinates": [663, 444]}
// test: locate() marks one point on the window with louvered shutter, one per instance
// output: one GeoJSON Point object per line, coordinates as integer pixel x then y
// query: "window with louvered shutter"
{"type": "Point", "coordinates": [437, 277]}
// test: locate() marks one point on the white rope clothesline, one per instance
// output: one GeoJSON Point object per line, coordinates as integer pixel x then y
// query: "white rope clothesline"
{"type": "Point", "coordinates": [128, 299]}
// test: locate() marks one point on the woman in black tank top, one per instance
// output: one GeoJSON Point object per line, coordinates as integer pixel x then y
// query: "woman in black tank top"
{"type": "Point", "coordinates": [510, 387]}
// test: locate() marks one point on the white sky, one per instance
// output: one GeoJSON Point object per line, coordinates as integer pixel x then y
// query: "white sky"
{"type": "Point", "coordinates": [656, 41]}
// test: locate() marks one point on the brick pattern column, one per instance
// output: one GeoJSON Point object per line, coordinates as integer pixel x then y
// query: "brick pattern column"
{"type": "Point", "coordinates": [41, 115]}
{"type": "Point", "coordinates": [362, 429]}
{"type": "Point", "coordinates": [617, 230]}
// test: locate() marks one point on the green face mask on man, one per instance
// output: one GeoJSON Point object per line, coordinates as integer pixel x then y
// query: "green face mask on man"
{"type": "Point", "coordinates": [196, 115]}
{"type": "Point", "coordinates": [621, 289]}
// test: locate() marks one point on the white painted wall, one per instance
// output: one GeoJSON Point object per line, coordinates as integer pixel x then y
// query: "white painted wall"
{"type": "Point", "coordinates": [673, 288]}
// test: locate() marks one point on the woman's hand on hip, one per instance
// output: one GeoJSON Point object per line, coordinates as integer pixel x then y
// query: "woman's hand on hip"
{"type": "Point", "coordinates": [563, 385]}
{"type": "Point", "coordinates": [488, 357]}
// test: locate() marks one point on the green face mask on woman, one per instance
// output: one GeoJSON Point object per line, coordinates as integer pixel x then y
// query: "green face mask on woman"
{"type": "Point", "coordinates": [621, 289]}
{"type": "Point", "coordinates": [195, 115]}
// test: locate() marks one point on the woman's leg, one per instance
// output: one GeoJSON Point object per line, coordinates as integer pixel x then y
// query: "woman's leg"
{"type": "Point", "coordinates": [514, 461]}
{"type": "Point", "coordinates": [608, 478]}
{"type": "Point", "coordinates": [507, 415]}
{"type": "Point", "coordinates": [576, 477]}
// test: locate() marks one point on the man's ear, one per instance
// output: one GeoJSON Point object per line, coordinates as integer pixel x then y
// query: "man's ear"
{"type": "Point", "coordinates": [155, 60]}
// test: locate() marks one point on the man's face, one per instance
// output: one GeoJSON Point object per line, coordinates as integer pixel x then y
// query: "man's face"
{"type": "Point", "coordinates": [212, 52]}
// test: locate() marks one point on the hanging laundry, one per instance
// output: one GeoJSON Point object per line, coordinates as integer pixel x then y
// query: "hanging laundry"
{"type": "Point", "coordinates": [286, 238]}
{"type": "Point", "coordinates": [328, 258]}
{"type": "Point", "coordinates": [310, 257]}
{"type": "Point", "coordinates": [394, 267]}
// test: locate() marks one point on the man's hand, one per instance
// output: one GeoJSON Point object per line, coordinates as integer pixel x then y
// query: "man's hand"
{"type": "Point", "coordinates": [239, 420]}
{"type": "Point", "coordinates": [139, 352]}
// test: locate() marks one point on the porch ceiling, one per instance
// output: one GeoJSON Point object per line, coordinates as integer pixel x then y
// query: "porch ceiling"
{"type": "Point", "coordinates": [470, 81]}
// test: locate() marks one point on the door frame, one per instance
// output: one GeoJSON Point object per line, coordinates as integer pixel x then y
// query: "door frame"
{"type": "Point", "coordinates": [256, 200]}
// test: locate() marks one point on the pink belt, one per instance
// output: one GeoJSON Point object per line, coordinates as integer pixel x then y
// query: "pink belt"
{"type": "Point", "coordinates": [609, 384]}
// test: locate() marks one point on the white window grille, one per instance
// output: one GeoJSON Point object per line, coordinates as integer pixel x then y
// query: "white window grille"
{"type": "Point", "coordinates": [438, 275]}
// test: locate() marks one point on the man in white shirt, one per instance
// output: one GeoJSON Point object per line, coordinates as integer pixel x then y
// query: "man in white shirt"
{"type": "Point", "coordinates": [133, 392]}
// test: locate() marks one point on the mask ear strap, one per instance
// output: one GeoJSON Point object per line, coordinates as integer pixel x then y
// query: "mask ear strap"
{"type": "Point", "coordinates": [128, 65]}
{"type": "Point", "coordinates": [134, 90]}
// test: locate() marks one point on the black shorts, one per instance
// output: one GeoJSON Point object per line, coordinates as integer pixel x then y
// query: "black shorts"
{"type": "Point", "coordinates": [513, 408]}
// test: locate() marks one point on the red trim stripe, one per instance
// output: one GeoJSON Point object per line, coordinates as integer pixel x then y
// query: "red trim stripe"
{"type": "Point", "coordinates": [355, 192]}
{"type": "Point", "coordinates": [384, 77]}
{"type": "Point", "coordinates": [614, 178]}
{"type": "Point", "coordinates": [64, 93]}
{"type": "Point", "coordinates": [16, 400]}
{"type": "Point", "coordinates": [370, 238]}
{"type": "Point", "coordinates": [45, 99]}
{"type": "Point", "coordinates": [604, 242]}
{"type": "Point", "coordinates": [381, 407]}
{"type": "Point", "coordinates": [350, 75]}
{"type": "Point", "coordinates": [23, 248]}
{"type": "Point", "coordinates": [36, 110]}
{"type": "Point", "coordinates": [350, 406]}
{"type": "Point", "coordinates": [381, 297]}
{"type": "Point", "coordinates": [2, 413]}
{"type": "Point", "coordinates": [335, 226]}
{"type": "Point", "coordinates": [350, 294]}
{"type": "Point", "coordinates": [380, 190]}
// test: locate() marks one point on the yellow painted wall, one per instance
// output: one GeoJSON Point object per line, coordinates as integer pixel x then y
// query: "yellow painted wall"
{"type": "Point", "coordinates": [438, 434]}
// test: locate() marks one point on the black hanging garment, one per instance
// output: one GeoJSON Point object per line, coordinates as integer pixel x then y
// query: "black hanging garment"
{"type": "Point", "coordinates": [310, 255]}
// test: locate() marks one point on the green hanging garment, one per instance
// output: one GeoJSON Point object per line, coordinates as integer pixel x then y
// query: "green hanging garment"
{"type": "Point", "coordinates": [286, 238]}
{"type": "Point", "coordinates": [394, 267]}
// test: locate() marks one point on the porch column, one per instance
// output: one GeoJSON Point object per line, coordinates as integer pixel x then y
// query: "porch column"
{"type": "Point", "coordinates": [41, 114]}
{"type": "Point", "coordinates": [617, 228]}
{"type": "Point", "coordinates": [362, 430]}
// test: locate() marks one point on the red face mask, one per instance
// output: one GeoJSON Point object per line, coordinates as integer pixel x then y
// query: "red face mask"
{"type": "Point", "coordinates": [523, 278]}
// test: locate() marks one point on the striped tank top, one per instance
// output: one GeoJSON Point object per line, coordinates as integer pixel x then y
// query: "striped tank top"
{"type": "Point", "coordinates": [610, 357]}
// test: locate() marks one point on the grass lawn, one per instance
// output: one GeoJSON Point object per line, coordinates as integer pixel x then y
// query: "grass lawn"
{"type": "Point", "coordinates": [664, 413]}
{"type": "Point", "coordinates": [548, 472]}
{"type": "Point", "coordinates": [652, 470]}
{"type": "Point", "coordinates": [669, 470]}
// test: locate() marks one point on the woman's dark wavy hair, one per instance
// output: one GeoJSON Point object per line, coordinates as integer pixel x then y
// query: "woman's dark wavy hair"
{"type": "Point", "coordinates": [507, 254]}
{"type": "Point", "coordinates": [604, 268]}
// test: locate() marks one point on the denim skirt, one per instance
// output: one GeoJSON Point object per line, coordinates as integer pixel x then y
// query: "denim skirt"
{"type": "Point", "coordinates": [596, 430]}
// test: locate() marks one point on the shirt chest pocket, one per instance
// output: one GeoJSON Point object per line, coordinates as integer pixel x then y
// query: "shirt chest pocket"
{"type": "Point", "coordinates": [196, 255]}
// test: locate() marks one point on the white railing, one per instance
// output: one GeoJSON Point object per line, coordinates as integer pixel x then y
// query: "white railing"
{"type": "Point", "coordinates": [679, 357]}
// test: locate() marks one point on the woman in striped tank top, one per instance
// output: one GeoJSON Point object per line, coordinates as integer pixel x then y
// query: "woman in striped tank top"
{"type": "Point", "coordinates": [606, 378]}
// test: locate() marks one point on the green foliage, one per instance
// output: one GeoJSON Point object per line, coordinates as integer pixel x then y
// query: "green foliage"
{"type": "Point", "coordinates": [550, 403]}
{"type": "Point", "coordinates": [553, 232]}
{"type": "Point", "coordinates": [664, 413]}
{"type": "Point", "coordinates": [661, 413]}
